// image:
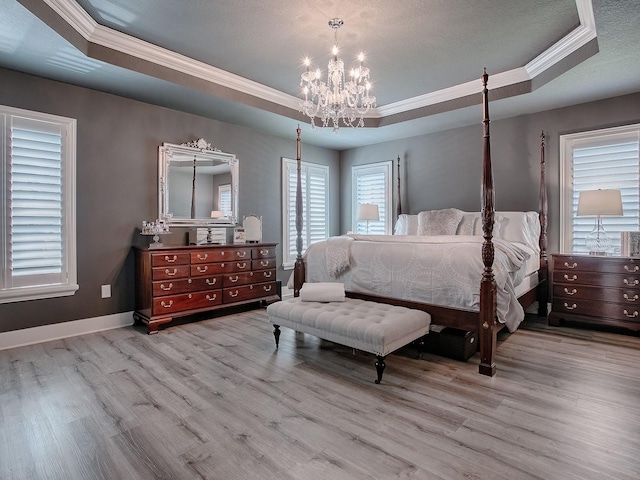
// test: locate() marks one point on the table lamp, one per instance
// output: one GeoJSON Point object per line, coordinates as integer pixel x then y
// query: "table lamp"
{"type": "Point", "coordinates": [599, 203]}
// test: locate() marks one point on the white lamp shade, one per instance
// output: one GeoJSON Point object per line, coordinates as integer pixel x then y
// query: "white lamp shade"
{"type": "Point", "coordinates": [600, 202]}
{"type": "Point", "coordinates": [368, 212]}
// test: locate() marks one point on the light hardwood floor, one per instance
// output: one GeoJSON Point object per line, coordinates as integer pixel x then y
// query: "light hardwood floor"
{"type": "Point", "coordinates": [214, 400]}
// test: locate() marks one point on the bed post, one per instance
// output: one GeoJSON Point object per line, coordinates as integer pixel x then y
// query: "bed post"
{"type": "Point", "coordinates": [543, 290]}
{"type": "Point", "coordinates": [488, 298]}
{"type": "Point", "coordinates": [399, 206]}
{"type": "Point", "coordinates": [298, 269]}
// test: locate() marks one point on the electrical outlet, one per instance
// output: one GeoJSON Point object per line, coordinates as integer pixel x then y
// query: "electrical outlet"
{"type": "Point", "coordinates": [106, 291]}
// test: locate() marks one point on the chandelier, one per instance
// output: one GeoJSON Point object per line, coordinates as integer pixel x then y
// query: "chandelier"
{"type": "Point", "coordinates": [337, 99]}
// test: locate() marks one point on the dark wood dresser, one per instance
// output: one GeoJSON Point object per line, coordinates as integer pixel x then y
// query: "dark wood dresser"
{"type": "Point", "coordinates": [174, 281]}
{"type": "Point", "coordinates": [595, 290]}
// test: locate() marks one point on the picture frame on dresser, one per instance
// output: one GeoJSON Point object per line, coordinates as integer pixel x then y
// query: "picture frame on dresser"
{"type": "Point", "coordinates": [630, 244]}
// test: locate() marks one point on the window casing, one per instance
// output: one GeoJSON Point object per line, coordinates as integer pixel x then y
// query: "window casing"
{"type": "Point", "coordinates": [37, 204]}
{"type": "Point", "coordinates": [599, 159]}
{"type": "Point", "coordinates": [372, 183]}
{"type": "Point", "coordinates": [315, 206]}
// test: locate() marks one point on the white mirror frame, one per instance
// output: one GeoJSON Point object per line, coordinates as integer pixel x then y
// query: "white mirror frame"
{"type": "Point", "coordinates": [202, 151]}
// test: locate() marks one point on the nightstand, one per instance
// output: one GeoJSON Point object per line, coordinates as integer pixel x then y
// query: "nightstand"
{"type": "Point", "coordinates": [595, 290]}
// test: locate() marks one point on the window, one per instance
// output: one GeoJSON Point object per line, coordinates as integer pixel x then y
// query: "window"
{"type": "Point", "coordinates": [37, 201]}
{"type": "Point", "coordinates": [372, 184]}
{"type": "Point", "coordinates": [224, 199]}
{"type": "Point", "coordinates": [315, 206]}
{"type": "Point", "coordinates": [600, 159]}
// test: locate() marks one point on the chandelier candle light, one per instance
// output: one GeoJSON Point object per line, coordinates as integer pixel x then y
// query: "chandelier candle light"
{"type": "Point", "coordinates": [337, 99]}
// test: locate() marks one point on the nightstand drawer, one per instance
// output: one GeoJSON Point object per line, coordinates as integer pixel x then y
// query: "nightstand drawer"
{"type": "Point", "coordinates": [614, 295]}
{"type": "Point", "coordinates": [599, 279]}
{"type": "Point", "coordinates": [622, 265]}
{"type": "Point", "coordinates": [595, 308]}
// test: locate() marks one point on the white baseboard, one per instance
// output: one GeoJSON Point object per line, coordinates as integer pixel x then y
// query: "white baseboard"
{"type": "Point", "coordinates": [286, 292]}
{"type": "Point", "coordinates": [46, 333]}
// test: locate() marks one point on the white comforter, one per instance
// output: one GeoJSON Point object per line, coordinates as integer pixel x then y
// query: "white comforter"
{"type": "Point", "coordinates": [440, 270]}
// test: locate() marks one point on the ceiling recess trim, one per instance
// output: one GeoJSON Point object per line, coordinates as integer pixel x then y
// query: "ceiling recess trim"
{"type": "Point", "coordinates": [78, 19]}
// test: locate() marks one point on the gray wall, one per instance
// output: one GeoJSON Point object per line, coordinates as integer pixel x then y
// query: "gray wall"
{"type": "Point", "coordinates": [443, 169]}
{"type": "Point", "coordinates": [117, 170]}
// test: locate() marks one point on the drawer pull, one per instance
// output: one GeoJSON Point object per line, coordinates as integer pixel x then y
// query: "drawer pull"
{"type": "Point", "coordinates": [631, 315]}
{"type": "Point", "coordinates": [631, 282]}
{"type": "Point", "coordinates": [169, 259]}
{"type": "Point", "coordinates": [203, 257]}
{"type": "Point", "coordinates": [570, 307]}
{"type": "Point", "coordinates": [571, 279]}
{"type": "Point", "coordinates": [190, 295]}
{"type": "Point", "coordinates": [170, 286]}
{"type": "Point", "coordinates": [170, 304]}
{"type": "Point", "coordinates": [233, 294]}
{"type": "Point", "coordinates": [211, 281]}
{"type": "Point", "coordinates": [233, 279]}
{"type": "Point", "coordinates": [572, 292]}
{"type": "Point", "coordinates": [211, 298]}
{"type": "Point", "coordinates": [573, 265]}
{"type": "Point", "coordinates": [264, 263]}
{"type": "Point", "coordinates": [267, 274]}
{"type": "Point", "coordinates": [634, 269]}
{"type": "Point", "coordinates": [627, 297]}
{"type": "Point", "coordinates": [241, 254]}
{"type": "Point", "coordinates": [202, 269]}
{"type": "Point", "coordinates": [169, 272]}
{"type": "Point", "coordinates": [264, 253]}
{"type": "Point", "coordinates": [241, 265]}
{"type": "Point", "coordinates": [267, 289]}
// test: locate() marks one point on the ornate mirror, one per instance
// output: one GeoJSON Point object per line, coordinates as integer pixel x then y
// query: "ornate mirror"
{"type": "Point", "coordinates": [197, 185]}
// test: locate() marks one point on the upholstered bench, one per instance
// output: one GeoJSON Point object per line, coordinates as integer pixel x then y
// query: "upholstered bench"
{"type": "Point", "coordinates": [372, 327]}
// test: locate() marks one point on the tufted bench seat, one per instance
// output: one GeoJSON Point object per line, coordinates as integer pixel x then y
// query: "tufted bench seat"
{"type": "Point", "coordinates": [372, 327]}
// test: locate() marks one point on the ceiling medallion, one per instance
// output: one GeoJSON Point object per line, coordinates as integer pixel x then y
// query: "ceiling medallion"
{"type": "Point", "coordinates": [337, 99]}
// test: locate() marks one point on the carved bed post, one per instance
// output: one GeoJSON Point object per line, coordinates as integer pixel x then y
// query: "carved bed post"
{"type": "Point", "coordinates": [488, 298]}
{"type": "Point", "coordinates": [543, 292]}
{"type": "Point", "coordinates": [399, 206]}
{"type": "Point", "coordinates": [299, 268]}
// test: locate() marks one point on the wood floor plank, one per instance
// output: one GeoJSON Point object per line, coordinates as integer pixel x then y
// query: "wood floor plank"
{"type": "Point", "coordinates": [216, 400]}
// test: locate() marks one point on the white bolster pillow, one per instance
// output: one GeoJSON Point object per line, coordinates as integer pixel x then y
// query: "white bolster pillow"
{"type": "Point", "coordinates": [322, 292]}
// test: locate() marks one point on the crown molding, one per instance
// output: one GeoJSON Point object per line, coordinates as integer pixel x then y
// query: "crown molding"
{"type": "Point", "coordinates": [92, 32]}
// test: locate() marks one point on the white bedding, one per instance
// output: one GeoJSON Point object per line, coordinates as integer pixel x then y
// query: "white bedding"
{"type": "Point", "coordinates": [441, 270]}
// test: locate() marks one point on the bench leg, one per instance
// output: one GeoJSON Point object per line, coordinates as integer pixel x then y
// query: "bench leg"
{"type": "Point", "coordinates": [420, 347]}
{"type": "Point", "coordinates": [276, 334]}
{"type": "Point", "coordinates": [380, 367]}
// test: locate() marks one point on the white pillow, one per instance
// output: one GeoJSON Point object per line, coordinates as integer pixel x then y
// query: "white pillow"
{"type": "Point", "coordinates": [439, 222]}
{"type": "Point", "coordinates": [406, 225]}
{"type": "Point", "coordinates": [467, 225]}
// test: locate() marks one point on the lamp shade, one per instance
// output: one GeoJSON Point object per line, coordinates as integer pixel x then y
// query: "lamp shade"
{"type": "Point", "coordinates": [368, 212]}
{"type": "Point", "coordinates": [600, 202]}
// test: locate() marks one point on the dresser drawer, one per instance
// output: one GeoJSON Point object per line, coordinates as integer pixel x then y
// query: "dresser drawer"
{"type": "Point", "coordinates": [263, 264]}
{"type": "Point", "coordinates": [624, 266]}
{"type": "Point", "coordinates": [236, 279]}
{"type": "Point", "coordinates": [613, 295]}
{"type": "Point", "coordinates": [595, 308]}
{"type": "Point", "coordinates": [247, 292]}
{"type": "Point", "coordinates": [186, 301]}
{"type": "Point", "coordinates": [219, 268]}
{"type": "Point", "coordinates": [220, 255]}
{"type": "Point", "coordinates": [168, 273]}
{"type": "Point", "coordinates": [170, 287]}
{"type": "Point", "coordinates": [263, 252]}
{"type": "Point", "coordinates": [168, 259]}
{"type": "Point", "coordinates": [600, 279]}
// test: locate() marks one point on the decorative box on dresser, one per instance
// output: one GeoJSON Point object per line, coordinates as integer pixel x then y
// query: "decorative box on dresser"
{"type": "Point", "coordinates": [175, 281]}
{"type": "Point", "coordinates": [596, 290]}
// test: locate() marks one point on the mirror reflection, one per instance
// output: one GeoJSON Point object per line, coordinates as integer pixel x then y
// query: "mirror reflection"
{"type": "Point", "coordinates": [198, 184]}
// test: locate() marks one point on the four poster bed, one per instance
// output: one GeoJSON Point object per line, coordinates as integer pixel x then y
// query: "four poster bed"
{"type": "Point", "coordinates": [437, 271]}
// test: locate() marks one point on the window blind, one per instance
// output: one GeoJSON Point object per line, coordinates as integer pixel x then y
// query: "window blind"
{"type": "Point", "coordinates": [36, 199]}
{"type": "Point", "coordinates": [606, 159]}
{"type": "Point", "coordinates": [315, 206]}
{"type": "Point", "coordinates": [371, 184]}
{"type": "Point", "coordinates": [224, 199]}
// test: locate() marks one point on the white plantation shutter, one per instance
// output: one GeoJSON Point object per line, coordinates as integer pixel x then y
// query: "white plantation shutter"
{"type": "Point", "coordinates": [38, 258]}
{"type": "Point", "coordinates": [372, 184]}
{"type": "Point", "coordinates": [602, 159]}
{"type": "Point", "coordinates": [224, 199]}
{"type": "Point", "coordinates": [315, 206]}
